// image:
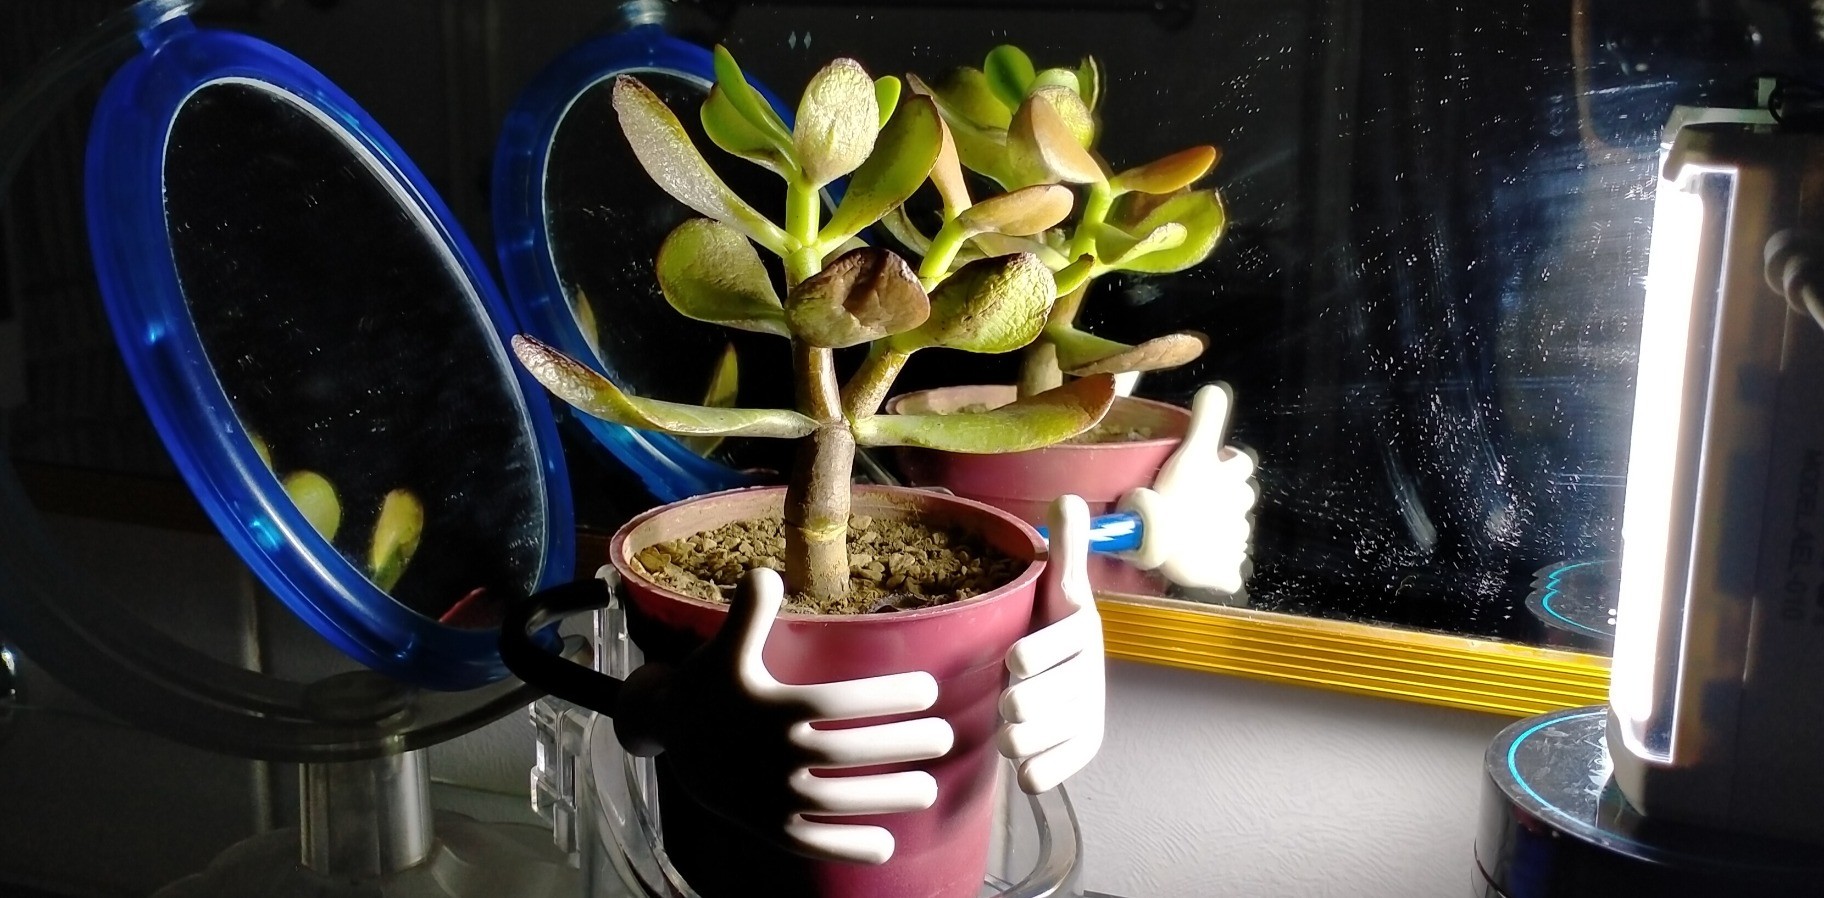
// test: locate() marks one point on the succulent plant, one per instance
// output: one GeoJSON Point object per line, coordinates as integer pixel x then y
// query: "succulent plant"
{"type": "Point", "coordinates": [1029, 130]}
{"type": "Point", "coordinates": [839, 292]}
{"type": "Point", "coordinates": [396, 532]}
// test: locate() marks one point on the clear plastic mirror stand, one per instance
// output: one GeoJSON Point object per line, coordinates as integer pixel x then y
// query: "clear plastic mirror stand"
{"type": "Point", "coordinates": [602, 804]}
{"type": "Point", "coordinates": [368, 832]}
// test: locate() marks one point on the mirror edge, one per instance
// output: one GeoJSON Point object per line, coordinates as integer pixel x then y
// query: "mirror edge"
{"type": "Point", "coordinates": [1440, 669]}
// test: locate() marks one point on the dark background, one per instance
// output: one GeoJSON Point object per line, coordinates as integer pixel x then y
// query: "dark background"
{"type": "Point", "coordinates": [1428, 301]}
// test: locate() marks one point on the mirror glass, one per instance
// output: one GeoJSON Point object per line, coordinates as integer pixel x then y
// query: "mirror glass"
{"type": "Point", "coordinates": [605, 220]}
{"type": "Point", "coordinates": [1428, 300]}
{"type": "Point", "coordinates": [352, 346]}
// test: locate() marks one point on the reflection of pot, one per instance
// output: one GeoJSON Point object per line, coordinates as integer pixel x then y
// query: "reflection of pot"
{"type": "Point", "coordinates": [1026, 483]}
{"type": "Point", "coordinates": [940, 852]}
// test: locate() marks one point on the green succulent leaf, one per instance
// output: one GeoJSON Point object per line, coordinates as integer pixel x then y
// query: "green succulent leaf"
{"type": "Point", "coordinates": [1030, 423]}
{"type": "Point", "coordinates": [1121, 251]}
{"type": "Point", "coordinates": [1065, 78]}
{"type": "Point", "coordinates": [1009, 74]}
{"type": "Point", "coordinates": [989, 306]}
{"type": "Point", "coordinates": [724, 387]}
{"type": "Point", "coordinates": [584, 310]}
{"type": "Point", "coordinates": [864, 295]}
{"type": "Point", "coordinates": [260, 449]}
{"type": "Point", "coordinates": [747, 100]}
{"type": "Point", "coordinates": [593, 394]}
{"type": "Point", "coordinates": [316, 498]}
{"type": "Point", "coordinates": [900, 225]}
{"type": "Point", "coordinates": [1169, 173]}
{"type": "Point", "coordinates": [838, 119]}
{"type": "Point", "coordinates": [886, 93]}
{"type": "Point", "coordinates": [708, 271]}
{"type": "Point", "coordinates": [1201, 214]}
{"type": "Point", "coordinates": [1081, 354]}
{"type": "Point", "coordinates": [1072, 110]}
{"type": "Point", "coordinates": [664, 149]}
{"type": "Point", "coordinates": [980, 148]}
{"type": "Point", "coordinates": [965, 90]}
{"type": "Point", "coordinates": [1089, 82]}
{"type": "Point", "coordinates": [731, 131]}
{"type": "Point", "coordinates": [947, 174]}
{"type": "Point", "coordinates": [1073, 275]}
{"type": "Point", "coordinates": [902, 159]}
{"type": "Point", "coordinates": [396, 537]}
{"type": "Point", "coordinates": [1042, 148]}
{"type": "Point", "coordinates": [1020, 213]}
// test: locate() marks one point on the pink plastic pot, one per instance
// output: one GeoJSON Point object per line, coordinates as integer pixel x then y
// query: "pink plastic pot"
{"type": "Point", "coordinates": [1025, 483]}
{"type": "Point", "coordinates": [939, 853]}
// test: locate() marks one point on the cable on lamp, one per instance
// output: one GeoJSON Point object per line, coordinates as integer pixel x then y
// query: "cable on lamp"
{"type": "Point", "coordinates": [1795, 270]}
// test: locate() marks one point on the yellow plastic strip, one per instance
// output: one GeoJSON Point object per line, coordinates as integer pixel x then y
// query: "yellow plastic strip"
{"type": "Point", "coordinates": [1363, 659]}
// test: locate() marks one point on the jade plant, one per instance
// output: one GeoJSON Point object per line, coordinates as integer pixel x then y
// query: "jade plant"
{"type": "Point", "coordinates": [1024, 129]}
{"type": "Point", "coordinates": [838, 291]}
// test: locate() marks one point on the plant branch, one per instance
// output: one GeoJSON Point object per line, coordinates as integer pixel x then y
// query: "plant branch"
{"type": "Point", "coordinates": [944, 247]}
{"type": "Point", "coordinates": [1039, 369]}
{"type": "Point", "coordinates": [819, 394]}
{"type": "Point", "coordinates": [802, 211]}
{"type": "Point", "coordinates": [865, 391]}
{"type": "Point", "coordinates": [1095, 211]}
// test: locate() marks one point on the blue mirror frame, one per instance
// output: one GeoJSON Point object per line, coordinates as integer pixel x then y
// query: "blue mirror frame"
{"type": "Point", "coordinates": [187, 404]}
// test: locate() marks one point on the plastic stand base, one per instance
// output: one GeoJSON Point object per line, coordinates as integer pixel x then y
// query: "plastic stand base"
{"type": "Point", "coordinates": [1553, 825]}
{"type": "Point", "coordinates": [468, 860]}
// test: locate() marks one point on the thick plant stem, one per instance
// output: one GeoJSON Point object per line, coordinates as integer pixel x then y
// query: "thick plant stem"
{"type": "Point", "coordinates": [817, 498]}
{"type": "Point", "coordinates": [1039, 370]}
{"type": "Point", "coordinates": [817, 515]}
{"type": "Point", "coordinates": [1039, 367]}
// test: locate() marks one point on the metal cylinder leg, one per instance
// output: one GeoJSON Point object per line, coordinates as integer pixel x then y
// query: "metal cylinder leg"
{"type": "Point", "coordinates": [363, 820]}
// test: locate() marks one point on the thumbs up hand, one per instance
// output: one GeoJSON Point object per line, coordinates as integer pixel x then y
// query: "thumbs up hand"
{"type": "Point", "coordinates": [1054, 710]}
{"type": "Point", "coordinates": [1197, 517]}
{"type": "Point", "coordinates": [743, 745]}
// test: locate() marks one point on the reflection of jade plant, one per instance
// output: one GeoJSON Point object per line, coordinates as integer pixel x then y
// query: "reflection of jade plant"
{"type": "Point", "coordinates": [1024, 129]}
{"type": "Point", "coordinates": [839, 293]}
{"type": "Point", "coordinates": [396, 533]}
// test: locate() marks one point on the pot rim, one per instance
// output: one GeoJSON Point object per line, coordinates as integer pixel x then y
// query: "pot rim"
{"type": "Point", "coordinates": [1026, 578]}
{"type": "Point", "coordinates": [892, 408]}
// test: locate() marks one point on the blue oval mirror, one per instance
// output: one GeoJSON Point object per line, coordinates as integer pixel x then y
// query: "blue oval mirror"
{"type": "Point", "coordinates": [322, 351]}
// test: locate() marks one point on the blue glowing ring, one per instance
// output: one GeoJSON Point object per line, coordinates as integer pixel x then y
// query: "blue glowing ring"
{"type": "Point", "coordinates": [164, 355]}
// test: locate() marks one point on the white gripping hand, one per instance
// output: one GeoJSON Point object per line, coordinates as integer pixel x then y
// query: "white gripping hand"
{"type": "Point", "coordinates": [743, 744]}
{"type": "Point", "coordinates": [1054, 710]}
{"type": "Point", "coordinates": [1198, 515]}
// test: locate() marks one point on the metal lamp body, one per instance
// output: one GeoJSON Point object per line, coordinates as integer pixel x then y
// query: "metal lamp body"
{"type": "Point", "coordinates": [1716, 713]}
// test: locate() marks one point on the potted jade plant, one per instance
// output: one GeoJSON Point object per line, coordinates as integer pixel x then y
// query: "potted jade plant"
{"type": "Point", "coordinates": [1022, 129]}
{"type": "Point", "coordinates": [879, 580]}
